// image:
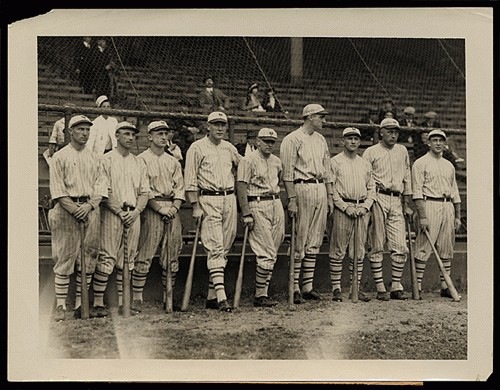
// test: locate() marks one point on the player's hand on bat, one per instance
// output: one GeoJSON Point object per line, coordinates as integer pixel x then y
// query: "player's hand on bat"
{"type": "Point", "coordinates": [82, 211]}
{"type": "Point", "coordinates": [292, 207]}
{"type": "Point", "coordinates": [423, 224]}
{"type": "Point", "coordinates": [197, 213]}
{"type": "Point", "coordinates": [458, 223]}
{"type": "Point", "coordinates": [360, 211]}
{"type": "Point", "coordinates": [408, 212]}
{"type": "Point", "coordinates": [248, 221]}
{"type": "Point", "coordinates": [351, 211]}
{"type": "Point", "coordinates": [331, 206]}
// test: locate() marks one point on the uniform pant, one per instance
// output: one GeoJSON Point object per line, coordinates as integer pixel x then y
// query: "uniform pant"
{"type": "Point", "coordinates": [387, 228]}
{"type": "Point", "coordinates": [342, 236]}
{"type": "Point", "coordinates": [65, 236]}
{"type": "Point", "coordinates": [150, 238]}
{"type": "Point", "coordinates": [441, 219]}
{"type": "Point", "coordinates": [112, 242]}
{"type": "Point", "coordinates": [311, 218]}
{"type": "Point", "coordinates": [268, 231]}
{"type": "Point", "coordinates": [218, 229]}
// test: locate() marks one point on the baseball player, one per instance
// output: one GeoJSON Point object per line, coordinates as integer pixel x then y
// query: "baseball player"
{"type": "Point", "coordinates": [127, 198]}
{"type": "Point", "coordinates": [56, 140]}
{"type": "Point", "coordinates": [353, 196]}
{"type": "Point", "coordinates": [259, 175]}
{"type": "Point", "coordinates": [102, 133]}
{"type": "Point", "coordinates": [210, 178]}
{"type": "Point", "coordinates": [308, 184]}
{"type": "Point", "coordinates": [391, 170]}
{"type": "Point", "coordinates": [77, 185]}
{"type": "Point", "coordinates": [165, 199]}
{"type": "Point", "coordinates": [437, 200]}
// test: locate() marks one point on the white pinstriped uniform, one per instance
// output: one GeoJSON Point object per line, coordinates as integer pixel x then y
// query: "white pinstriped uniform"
{"type": "Point", "coordinates": [435, 177]}
{"type": "Point", "coordinates": [307, 156]}
{"type": "Point", "coordinates": [352, 179]}
{"type": "Point", "coordinates": [127, 181]}
{"type": "Point", "coordinates": [262, 176]}
{"type": "Point", "coordinates": [75, 173]}
{"type": "Point", "coordinates": [166, 181]}
{"type": "Point", "coordinates": [102, 134]}
{"type": "Point", "coordinates": [391, 171]}
{"type": "Point", "coordinates": [209, 167]}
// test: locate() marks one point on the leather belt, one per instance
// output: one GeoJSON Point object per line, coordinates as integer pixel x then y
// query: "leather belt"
{"type": "Point", "coordinates": [216, 193]}
{"type": "Point", "coordinates": [80, 199]}
{"type": "Point", "coordinates": [164, 198]}
{"type": "Point", "coordinates": [354, 200]}
{"type": "Point", "coordinates": [263, 197]}
{"type": "Point", "coordinates": [128, 208]}
{"type": "Point", "coordinates": [387, 192]}
{"type": "Point", "coordinates": [444, 199]}
{"type": "Point", "coordinates": [308, 181]}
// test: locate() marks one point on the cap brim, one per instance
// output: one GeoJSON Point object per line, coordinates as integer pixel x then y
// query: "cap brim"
{"type": "Point", "coordinates": [217, 120]}
{"type": "Point", "coordinates": [391, 127]}
{"type": "Point", "coordinates": [160, 128]}
{"type": "Point", "coordinates": [352, 133]}
{"type": "Point", "coordinates": [80, 122]}
{"type": "Point", "coordinates": [267, 138]}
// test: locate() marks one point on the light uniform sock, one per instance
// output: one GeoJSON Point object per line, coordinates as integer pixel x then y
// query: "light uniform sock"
{"type": "Point", "coordinates": [61, 284]}
{"type": "Point", "coordinates": [396, 274]}
{"type": "Point", "coordinates": [261, 281]}
{"type": "Point", "coordinates": [420, 269]}
{"type": "Point", "coordinates": [99, 286]}
{"type": "Point", "coordinates": [335, 266]}
{"type": "Point", "coordinates": [138, 283]}
{"type": "Point", "coordinates": [377, 275]}
{"type": "Point", "coordinates": [211, 290]}
{"type": "Point", "coordinates": [309, 264]}
{"type": "Point", "coordinates": [447, 268]}
{"type": "Point", "coordinates": [217, 276]}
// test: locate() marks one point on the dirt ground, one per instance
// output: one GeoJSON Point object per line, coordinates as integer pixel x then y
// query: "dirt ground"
{"type": "Point", "coordinates": [433, 328]}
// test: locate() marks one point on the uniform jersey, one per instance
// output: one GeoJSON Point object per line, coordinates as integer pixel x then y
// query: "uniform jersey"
{"type": "Point", "coordinates": [391, 167]}
{"type": "Point", "coordinates": [102, 134]}
{"type": "Point", "coordinates": [261, 174]}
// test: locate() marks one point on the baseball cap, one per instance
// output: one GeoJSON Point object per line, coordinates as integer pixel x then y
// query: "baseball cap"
{"type": "Point", "coordinates": [77, 119]}
{"type": "Point", "coordinates": [217, 116]}
{"type": "Point", "coordinates": [252, 133]}
{"type": "Point", "coordinates": [389, 123]}
{"type": "Point", "coordinates": [437, 132]}
{"type": "Point", "coordinates": [351, 131]}
{"type": "Point", "coordinates": [254, 85]}
{"type": "Point", "coordinates": [430, 114]}
{"type": "Point", "coordinates": [101, 99]}
{"type": "Point", "coordinates": [312, 109]}
{"type": "Point", "coordinates": [266, 133]}
{"type": "Point", "coordinates": [157, 125]}
{"type": "Point", "coordinates": [126, 126]}
{"type": "Point", "coordinates": [409, 110]}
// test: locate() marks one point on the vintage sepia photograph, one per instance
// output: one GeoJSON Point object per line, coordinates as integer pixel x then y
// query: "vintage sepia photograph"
{"type": "Point", "coordinates": [261, 195]}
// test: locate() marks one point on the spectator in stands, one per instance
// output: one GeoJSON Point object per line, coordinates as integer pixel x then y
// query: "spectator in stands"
{"type": "Point", "coordinates": [370, 117]}
{"type": "Point", "coordinates": [56, 140]}
{"type": "Point", "coordinates": [102, 137]}
{"type": "Point", "coordinates": [387, 106]}
{"type": "Point", "coordinates": [104, 69]}
{"type": "Point", "coordinates": [431, 120]}
{"type": "Point", "coordinates": [172, 148]}
{"type": "Point", "coordinates": [186, 130]}
{"type": "Point", "coordinates": [408, 120]}
{"type": "Point", "coordinates": [211, 98]}
{"type": "Point", "coordinates": [249, 145]}
{"type": "Point", "coordinates": [84, 64]}
{"type": "Point", "coordinates": [252, 102]}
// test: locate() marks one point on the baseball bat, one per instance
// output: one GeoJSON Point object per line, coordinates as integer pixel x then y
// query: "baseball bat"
{"type": "Point", "coordinates": [355, 286]}
{"type": "Point", "coordinates": [413, 270]}
{"type": "Point", "coordinates": [446, 277]}
{"type": "Point", "coordinates": [126, 275]}
{"type": "Point", "coordinates": [189, 279]}
{"type": "Point", "coordinates": [239, 280]}
{"type": "Point", "coordinates": [85, 309]}
{"type": "Point", "coordinates": [169, 304]}
{"type": "Point", "coordinates": [291, 268]}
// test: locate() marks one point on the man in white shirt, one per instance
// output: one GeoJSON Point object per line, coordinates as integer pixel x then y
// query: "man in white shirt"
{"type": "Point", "coordinates": [102, 133]}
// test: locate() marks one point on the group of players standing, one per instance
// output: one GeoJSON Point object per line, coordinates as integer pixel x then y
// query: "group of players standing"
{"type": "Point", "coordinates": [365, 198]}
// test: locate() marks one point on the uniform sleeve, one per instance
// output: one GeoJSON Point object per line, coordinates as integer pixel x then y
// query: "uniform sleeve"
{"type": "Point", "coordinates": [144, 187]}
{"type": "Point", "coordinates": [326, 162]}
{"type": "Point", "coordinates": [370, 187]}
{"type": "Point", "coordinates": [407, 177]}
{"type": "Point", "coordinates": [193, 160]}
{"type": "Point", "coordinates": [102, 185]}
{"type": "Point", "coordinates": [178, 187]}
{"type": "Point", "coordinates": [56, 178]}
{"type": "Point", "coordinates": [236, 156]}
{"type": "Point", "coordinates": [455, 194]}
{"type": "Point", "coordinates": [288, 155]}
{"type": "Point", "coordinates": [244, 170]}
{"type": "Point", "coordinates": [417, 176]}
{"type": "Point", "coordinates": [337, 200]}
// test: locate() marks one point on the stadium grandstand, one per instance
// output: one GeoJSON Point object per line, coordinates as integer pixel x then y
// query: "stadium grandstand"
{"type": "Point", "coordinates": [348, 76]}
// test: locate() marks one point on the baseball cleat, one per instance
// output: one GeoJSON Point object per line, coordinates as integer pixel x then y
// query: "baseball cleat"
{"type": "Point", "coordinates": [362, 297]}
{"type": "Point", "coordinates": [337, 295]}
{"type": "Point", "coordinates": [211, 304]}
{"type": "Point", "coordinates": [383, 295]}
{"type": "Point", "coordinates": [311, 295]}
{"type": "Point", "coordinates": [445, 293]}
{"type": "Point", "coordinates": [264, 302]}
{"type": "Point", "coordinates": [399, 295]}
{"type": "Point", "coordinates": [60, 313]}
{"type": "Point", "coordinates": [224, 306]}
{"type": "Point", "coordinates": [297, 298]}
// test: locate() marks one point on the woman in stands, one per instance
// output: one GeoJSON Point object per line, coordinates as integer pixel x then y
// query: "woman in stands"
{"type": "Point", "coordinates": [252, 102]}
